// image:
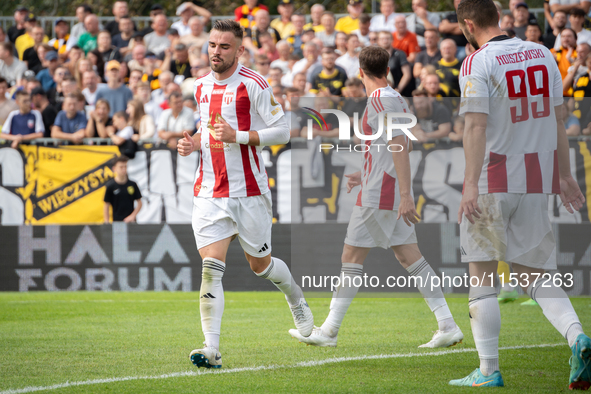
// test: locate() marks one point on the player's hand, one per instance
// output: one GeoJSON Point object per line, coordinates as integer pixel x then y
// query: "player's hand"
{"type": "Point", "coordinates": [570, 194]}
{"type": "Point", "coordinates": [407, 211]}
{"type": "Point", "coordinates": [224, 132]}
{"type": "Point", "coordinates": [185, 145]}
{"type": "Point", "coordinates": [469, 204]}
{"type": "Point", "coordinates": [354, 180]}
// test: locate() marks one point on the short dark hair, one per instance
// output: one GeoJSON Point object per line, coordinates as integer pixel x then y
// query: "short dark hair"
{"type": "Point", "coordinates": [125, 17]}
{"type": "Point", "coordinates": [120, 159]}
{"type": "Point", "coordinates": [353, 82]}
{"type": "Point", "coordinates": [364, 18]}
{"type": "Point", "coordinates": [86, 7]}
{"type": "Point", "coordinates": [420, 93]}
{"type": "Point", "coordinates": [329, 13]}
{"type": "Point", "coordinates": [175, 94]}
{"type": "Point", "coordinates": [574, 32]}
{"type": "Point", "coordinates": [229, 25]}
{"type": "Point", "coordinates": [8, 47]}
{"type": "Point", "coordinates": [482, 12]}
{"type": "Point", "coordinates": [578, 12]}
{"type": "Point", "coordinates": [432, 30]}
{"type": "Point", "coordinates": [3, 80]}
{"type": "Point", "coordinates": [21, 93]}
{"type": "Point", "coordinates": [374, 61]}
{"type": "Point", "coordinates": [121, 114]}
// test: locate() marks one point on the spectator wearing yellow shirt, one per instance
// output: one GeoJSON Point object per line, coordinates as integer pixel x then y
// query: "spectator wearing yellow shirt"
{"type": "Point", "coordinates": [567, 53]}
{"type": "Point", "coordinates": [26, 40]}
{"type": "Point", "coordinates": [316, 12]}
{"type": "Point", "coordinates": [349, 23]}
{"type": "Point", "coordinates": [283, 24]}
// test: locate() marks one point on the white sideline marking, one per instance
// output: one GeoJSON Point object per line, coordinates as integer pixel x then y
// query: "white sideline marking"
{"type": "Point", "coordinates": [302, 364]}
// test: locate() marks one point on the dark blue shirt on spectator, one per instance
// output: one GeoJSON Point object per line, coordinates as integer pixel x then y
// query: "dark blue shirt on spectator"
{"type": "Point", "coordinates": [68, 125]}
{"type": "Point", "coordinates": [46, 80]}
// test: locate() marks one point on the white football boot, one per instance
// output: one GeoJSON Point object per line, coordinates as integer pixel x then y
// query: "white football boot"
{"type": "Point", "coordinates": [445, 339]}
{"type": "Point", "coordinates": [208, 357]}
{"type": "Point", "coordinates": [317, 338]}
{"type": "Point", "coordinates": [303, 318]}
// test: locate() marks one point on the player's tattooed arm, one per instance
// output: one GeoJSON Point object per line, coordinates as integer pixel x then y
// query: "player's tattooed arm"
{"type": "Point", "coordinates": [474, 151]}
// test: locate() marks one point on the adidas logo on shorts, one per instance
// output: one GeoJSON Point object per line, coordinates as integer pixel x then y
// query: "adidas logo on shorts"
{"type": "Point", "coordinates": [265, 247]}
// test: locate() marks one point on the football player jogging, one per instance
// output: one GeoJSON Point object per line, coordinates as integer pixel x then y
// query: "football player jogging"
{"type": "Point", "coordinates": [239, 115]}
{"type": "Point", "coordinates": [516, 153]}
{"type": "Point", "coordinates": [385, 214]}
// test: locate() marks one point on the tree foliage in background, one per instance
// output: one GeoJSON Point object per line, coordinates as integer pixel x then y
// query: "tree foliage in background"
{"type": "Point", "coordinates": [142, 7]}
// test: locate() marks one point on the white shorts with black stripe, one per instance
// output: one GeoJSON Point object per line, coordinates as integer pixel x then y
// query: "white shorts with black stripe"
{"type": "Point", "coordinates": [215, 219]}
{"type": "Point", "coordinates": [373, 227]}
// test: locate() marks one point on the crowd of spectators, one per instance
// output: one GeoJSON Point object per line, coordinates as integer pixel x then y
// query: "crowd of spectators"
{"type": "Point", "coordinates": [118, 82]}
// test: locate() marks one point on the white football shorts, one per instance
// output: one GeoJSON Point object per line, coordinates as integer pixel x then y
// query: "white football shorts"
{"type": "Point", "coordinates": [251, 218]}
{"type": "Point", "coordinates": [513, 228]}
{"type": "Point", "coordinates": [372, 227]}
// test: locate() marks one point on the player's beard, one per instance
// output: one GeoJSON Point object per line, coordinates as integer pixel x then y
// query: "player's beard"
{"type": "Point", "coordinates": [472, 40]}
{"type": "Point", "coordinates": [222, 67]}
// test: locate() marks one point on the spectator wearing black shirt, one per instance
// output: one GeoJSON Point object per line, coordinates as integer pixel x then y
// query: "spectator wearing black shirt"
{"type": "Point", "coordinates": [434, 119]}
{"type": "Point", "coordinates": [176, 60]}
{"type": "Point", "coordinates": [521, 14]}
{"type": "Point", "coordinates": [448, 69]}
{"type": "Point", "coordinates": [120, 194]}
{"type": "Point", "coordinates": [251, 36]}
{"type": "Point", "coordinates": [559, 20]}
{"type": "Point", "coordinates": [450, 28]}
{"type": "Point", "coordinates": [100, 124]}
{"type": "Point", "coordinates": [48, 111]}
{"type": "Point", "coordinates": [155, 10]}
{"type": "Point", "coordinates": [119, 11]}
{"type": "Point", "coordinates": [30, 55]}
{"type": "Point", "coordinates": [106, 48]}
{"type": "Point", "coordinates": [18, 29]}
{"type": "Point", "coordinates": [331, 80]}
{"type": "Point", "coordinates": [431, 53]}
{"type": "Point", "coordinates": [121, 40]}
{"type": "Point", "coordinates": [400, 71]}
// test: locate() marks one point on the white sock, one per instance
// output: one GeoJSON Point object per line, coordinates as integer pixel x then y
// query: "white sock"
{"type": "Point", "coordinates": [342, 297]}
{"type": "Point", "coordinates": [433, 296]}
{"type": "Point", "coordinates": [211, 300]}
{"type": "Point", "coordinates": [485, 319]}
{"type": "Point", "coordinates": [278, 273]}
{"type": "Point", "coordinates": [557, 308]}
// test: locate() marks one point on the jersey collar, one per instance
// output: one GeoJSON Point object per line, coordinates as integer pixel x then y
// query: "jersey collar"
{"type": "Point", "coordinates": [501, 37]}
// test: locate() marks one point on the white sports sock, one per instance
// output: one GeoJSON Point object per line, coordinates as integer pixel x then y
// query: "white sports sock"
{"type": "Point", "coordinates": [342, 297]}
{"type": "Point", "coordinates": [485, 319]}
{"type": "Point", "coordinates": [211, 301]}
{"type": "Point", "coordinates": [278, 273]}
{"type": "Point", "coordinates": [557, 308]}
{"type": "Point", "coordinates": [433, 296]}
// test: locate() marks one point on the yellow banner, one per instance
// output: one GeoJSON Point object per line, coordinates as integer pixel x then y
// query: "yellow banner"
{"type": "Point", "coordinates": [63, 184]}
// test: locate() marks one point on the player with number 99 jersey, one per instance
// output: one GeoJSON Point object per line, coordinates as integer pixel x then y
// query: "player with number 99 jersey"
{"type": "Point", "coordinates": [518, 84]}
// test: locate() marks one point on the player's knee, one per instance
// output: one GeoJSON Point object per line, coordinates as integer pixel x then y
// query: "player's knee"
{"type": "Point", "coordinates": [212, 268]}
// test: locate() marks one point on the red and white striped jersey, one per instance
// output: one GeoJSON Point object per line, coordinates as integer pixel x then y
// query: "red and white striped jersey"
{"type": "Point", "coordinates": [379, 188]}
{"type": "Point", "coordinates": [246, 102]}
{"type": "Point", "coordinates": [518, 84]}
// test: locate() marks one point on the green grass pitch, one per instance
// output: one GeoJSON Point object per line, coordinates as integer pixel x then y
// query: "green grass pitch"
{"type": "Point", "coordinates": [53, 338]}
